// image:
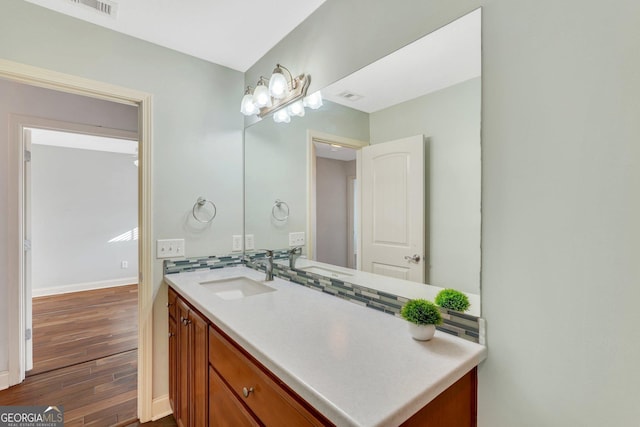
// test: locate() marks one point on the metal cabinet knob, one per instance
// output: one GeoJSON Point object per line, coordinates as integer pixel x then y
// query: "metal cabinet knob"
{"type": "Point", "coordinates": [247, 391]}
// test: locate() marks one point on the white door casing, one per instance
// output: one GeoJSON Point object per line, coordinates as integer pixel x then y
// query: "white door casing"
{"type": "Point", "coordinates": [393, 202]}
{"type": "Point", "coordinates": [40, 77]}
{"type": "Point", "coordinates": [28, 308]}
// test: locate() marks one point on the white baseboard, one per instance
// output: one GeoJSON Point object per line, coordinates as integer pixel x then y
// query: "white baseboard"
{"type": "Point", "coordinates": [4, 380]}
{"type": "Point", "coordinates": [89, 286]}
{"type": "Point", "coordinates": [160, 407]}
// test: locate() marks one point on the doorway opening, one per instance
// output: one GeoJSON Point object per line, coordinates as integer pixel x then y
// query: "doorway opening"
{"type": "Point", "coordinates": [80, 220]}
{"type": "Point", "coordinates": [333, 219]}
{"type": "Point", "coordinates": [336, 223]}
{"type": "Point", "coordinates": [69, 85]}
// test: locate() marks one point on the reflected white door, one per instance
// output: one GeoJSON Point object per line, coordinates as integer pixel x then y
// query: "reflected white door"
{"type": "Point", "coordinates": [393, 226]}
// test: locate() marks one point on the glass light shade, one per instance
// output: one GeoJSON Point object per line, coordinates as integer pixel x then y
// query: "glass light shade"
{"type": "Point", "coordinates": [281, 116]}
{"type": "Point", "coordinates": [296, 109]}
{"type": "Point", "coordinates": [261, 96]}
{"type": "Point", "coordinates": [278, 85]}
{"type": "Point", "coordinates": [247, 107]}
{"type": "Point", "coordinates": [313, 101]}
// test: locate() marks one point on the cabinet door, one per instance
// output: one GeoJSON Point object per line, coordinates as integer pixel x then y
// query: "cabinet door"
{"type": "Point", "coordinates": [182, 375]}
{"type": "Point", "coordinates": [199, 369]}
{"type": "Point", "coordinates": [173, 353]}
{"type": "Point", "coordinates": [171, 303]}
{"type": "Point", "coordinates": [225, 410]}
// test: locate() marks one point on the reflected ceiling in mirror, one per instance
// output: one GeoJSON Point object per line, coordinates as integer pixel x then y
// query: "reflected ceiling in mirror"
{"type": "Point", "coordinates": [430, 88]}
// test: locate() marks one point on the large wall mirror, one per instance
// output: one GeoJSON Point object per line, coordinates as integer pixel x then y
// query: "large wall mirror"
{"type": "Point", "coordinates": [338, 180]}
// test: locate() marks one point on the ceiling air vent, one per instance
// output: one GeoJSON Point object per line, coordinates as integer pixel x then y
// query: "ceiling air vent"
{"type": "Point", "coordinates": [350, 96]}
{"type": "Point", "coordinates": [104, 7]}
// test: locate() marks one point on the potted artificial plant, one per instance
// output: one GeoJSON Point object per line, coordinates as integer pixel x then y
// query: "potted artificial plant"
{"type": "Point", "coordinates": [423, 316]}
{"type": "Point", "coordinates": [452, 299]}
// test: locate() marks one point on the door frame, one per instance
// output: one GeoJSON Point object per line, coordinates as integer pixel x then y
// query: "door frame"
{"type": "Point", "coordinates": [40, 77]}
{"type": "Point", "coordinates": [18, 125]}
{"type": "Point", "coordinates": [326, 138]}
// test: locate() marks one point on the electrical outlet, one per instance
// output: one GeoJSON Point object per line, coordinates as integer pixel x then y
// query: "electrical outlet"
{"type": "Point", "coordinates": [124, 264]}
{"type": "Point", "coordinates": [170, 248]}
{"type": "Point", "coordinates": [249, 242]}
{"type": "Point", "coordinates": [296, 239]}
{"type": "Point", "coordinates": [237, 243]}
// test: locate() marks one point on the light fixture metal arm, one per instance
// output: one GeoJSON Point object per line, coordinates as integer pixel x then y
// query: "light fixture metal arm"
{"type": "Point", "coordinates": [291, 79]}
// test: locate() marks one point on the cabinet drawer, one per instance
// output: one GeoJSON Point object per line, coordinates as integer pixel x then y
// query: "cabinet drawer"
{"type": "Point", "coordinates": [225, 410]}
{"type": "Point", "coordinates": [269, 402]}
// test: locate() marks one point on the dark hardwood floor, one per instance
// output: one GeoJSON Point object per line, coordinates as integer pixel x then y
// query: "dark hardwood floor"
{"type": "Point", "coordinates": [85, 357]}
{"type": "Point", "coordinates": [82, 326]}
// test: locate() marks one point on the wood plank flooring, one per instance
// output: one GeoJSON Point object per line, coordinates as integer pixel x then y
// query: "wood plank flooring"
{"type": "Point", "coordinates": [85, 357]}
{"type": "Point", "coordinates": [81, 326]}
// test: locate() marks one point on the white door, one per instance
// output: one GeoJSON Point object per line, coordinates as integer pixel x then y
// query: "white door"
{"type": "Point", "coordinates": [26, 137]}
{"type": "Point", "coordinates": [393, 225]}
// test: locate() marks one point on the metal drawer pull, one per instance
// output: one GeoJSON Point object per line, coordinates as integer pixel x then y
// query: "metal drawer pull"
{"type": "Point", "coordinates": [247, 391]}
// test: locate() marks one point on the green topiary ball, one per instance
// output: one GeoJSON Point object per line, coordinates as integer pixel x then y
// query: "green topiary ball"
{"type": "Point", "coordinates": [452, 299]}
{"type": "Point", "coordinates": [421, 312]}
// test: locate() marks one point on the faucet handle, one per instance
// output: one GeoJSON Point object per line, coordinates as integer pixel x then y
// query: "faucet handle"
{"type": "Point", "coordinates": [296, 250]}
{"type": "Point", "coordinates": [268, 252]}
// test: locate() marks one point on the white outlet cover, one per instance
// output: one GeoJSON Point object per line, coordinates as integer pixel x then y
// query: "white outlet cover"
{"type": "Point", "coordinates": [237, 243]}
{"type": "Point", "coordinates": [297, 239]}
{"type": "Point", "coordinates": [249, 242]}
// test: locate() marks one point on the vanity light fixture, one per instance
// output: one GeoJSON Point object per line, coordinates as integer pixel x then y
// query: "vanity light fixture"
{"type": "Point", "coordinates": [283, 95]}
{"type": "Point", "coordinates": [278, 84]}
{"type": "Point", "coordinates": [281, 116]}
{"type": "Point", "coordinates": [247, 107]}
{"type": "Point", "coordinates": [313, 101]}
{"type": "Point", "coordinates": [261, 97]}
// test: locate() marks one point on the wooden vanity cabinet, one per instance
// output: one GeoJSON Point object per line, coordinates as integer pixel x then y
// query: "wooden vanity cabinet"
{"type": "Point", "coordinates": [173, 349]}
{"type": "Point", "coordinates": [215, 382]}
{"type": "Point", "coordinates": [190, 403]}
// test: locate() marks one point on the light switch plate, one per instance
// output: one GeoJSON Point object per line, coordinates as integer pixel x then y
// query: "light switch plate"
{"type": "Point", "coordinates": [297, 239]}
{"type": "Point", "coordinates": [249, 242]}
{"type": "Point", "coordinates": [169, 248]}
{"type": "Point", "coordinates": [237, 243]}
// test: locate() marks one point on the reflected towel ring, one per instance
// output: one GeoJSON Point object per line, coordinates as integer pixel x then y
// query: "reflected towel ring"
{"type": "Point", "coordinates": [278, 204]}
{"type": "Point", "coordinates": [200, 203]}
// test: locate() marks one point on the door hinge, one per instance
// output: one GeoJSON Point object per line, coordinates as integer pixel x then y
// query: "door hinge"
{"type": "Point", "coordinates": [27, 155]}
{"type": "Point", "coordinates": [27, 244]}
{"type": "Point", "coordinates": [27, 334]}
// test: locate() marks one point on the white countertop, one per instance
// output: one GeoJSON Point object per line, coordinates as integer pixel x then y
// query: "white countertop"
{"type": "Point", "coordinates": [355, 365]}
{"type": "Point", "coordinates": [400, 287]}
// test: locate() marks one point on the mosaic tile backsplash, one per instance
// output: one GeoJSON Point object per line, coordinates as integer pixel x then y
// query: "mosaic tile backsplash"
{"type": "Point", "coordinates": [459, 324]}
{"type": "Point", "coordinates": [198, 264]}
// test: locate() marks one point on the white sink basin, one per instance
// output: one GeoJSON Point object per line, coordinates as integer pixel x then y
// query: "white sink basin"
{"type": "Point", "coordinates": [236, 287]}
{"type": "Point", "coordinates": [324, 271]}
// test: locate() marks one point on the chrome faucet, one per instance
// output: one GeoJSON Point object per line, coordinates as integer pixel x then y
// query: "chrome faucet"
{"type": "Point", "coordinates": [294, 254]}
{"type": "Point", "coordinates": [268, 256]}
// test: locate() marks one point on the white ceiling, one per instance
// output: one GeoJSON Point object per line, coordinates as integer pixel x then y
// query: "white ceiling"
{"type": "Point", "coordinates": [447, 56]}
{"type": "Point", "coordinates": [85, 142]}
{"type": "Point", "coordinates": [232, 33]}
{"type": "Point", "coordinates": [335, 152]}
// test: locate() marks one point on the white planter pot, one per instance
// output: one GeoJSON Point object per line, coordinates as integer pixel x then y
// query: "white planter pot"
{"type": "Point", "coordinates": [422, 332]}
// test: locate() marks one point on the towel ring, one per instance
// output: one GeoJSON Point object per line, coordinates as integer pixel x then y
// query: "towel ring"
{"type": "Point", "coordinates": [278, 204]}
{"type": "Point", "coordinates": [200, 203]}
